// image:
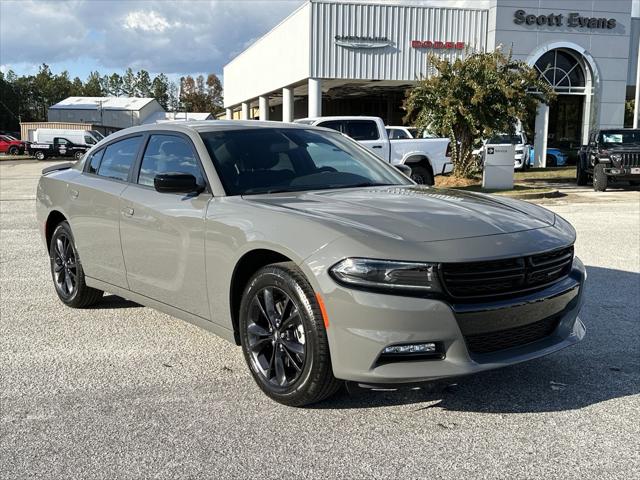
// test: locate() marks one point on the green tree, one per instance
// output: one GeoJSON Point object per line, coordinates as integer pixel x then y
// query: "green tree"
{"type": "Point", "coordinates": [94, 86]}
{"type": "Point", "coordinates": [129, 83]}
{"type": "Point", "coordinates": [160, 90]}
{"type": "Point", "coordinates": [629, 112]}
{"type": "Point", "coordinates": [143, 84]}
{"type": "Point", "coordinates": [473, 98]}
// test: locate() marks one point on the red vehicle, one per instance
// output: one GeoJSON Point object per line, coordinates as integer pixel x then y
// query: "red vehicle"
{"type": "Point", "coordinates": [11, 145]}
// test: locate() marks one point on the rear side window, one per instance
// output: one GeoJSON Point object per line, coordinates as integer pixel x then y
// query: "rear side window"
{"type": "Point", "coordinates": [332, 124]}
{"type": "Point", "coordinates": [362, 130]}
{"type": "Point", "coordinates": [94, 162]}
{"type": "Point", "coordinates": [118, 158]}
{"type": "Point", "coordinates": [168, 154]}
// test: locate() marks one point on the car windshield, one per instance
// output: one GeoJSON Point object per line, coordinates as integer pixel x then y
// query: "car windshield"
{"type": "Point", "coordinates": [617, 137]}
{"type": "Point", "coordinates": [272, 160]}
{"type": "Point", "coordinates": [505, 138]}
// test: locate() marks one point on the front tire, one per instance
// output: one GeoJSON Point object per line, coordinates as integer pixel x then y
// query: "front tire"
{"type": "Point", "coordinates": [66, 270]}
{"type": "Point", "coordinates": [39, 155]}
{"type": "Point", "coordinates": [421, 175]}
{"type": "Point", "coordinates": [13, 150]}
{"type": "Point", "coordinates": [283, 337]}
{"type": "Point", "coordinates": [78, 155]}
{"type": "Point", "coordinates": [600, 179]}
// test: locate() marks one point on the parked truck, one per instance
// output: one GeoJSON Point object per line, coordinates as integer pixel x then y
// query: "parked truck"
{"type": "Point", "coordinates": [79, 137]}
{"type": "Point", "coordinates": [59, 147]}
{"type": "Point", "coordinates": [427, 157]}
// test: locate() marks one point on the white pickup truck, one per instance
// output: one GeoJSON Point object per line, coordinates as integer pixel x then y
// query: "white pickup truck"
{"type": "Point", "coordinates": [427, 157]}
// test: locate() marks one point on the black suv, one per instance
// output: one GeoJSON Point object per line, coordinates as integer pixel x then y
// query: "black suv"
{"type": "Point", "coordinates": [612, 154]}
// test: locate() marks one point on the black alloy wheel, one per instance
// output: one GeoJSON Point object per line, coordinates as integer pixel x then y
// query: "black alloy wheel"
{"type": "Point", "coordinates": [65, 267]}
{"type": "Point", "coordinates": [284, 336]}
{"type": "Point", "coordinates": [276, 337]}
{"type": "Point", "coordinates": [66, 270]}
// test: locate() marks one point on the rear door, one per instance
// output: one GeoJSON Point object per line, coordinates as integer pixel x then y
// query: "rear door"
{"type": "Point", "coordinates": [368, 134]}
{"type": "Point", "coordinates": [95, 209]}
{"type": "Point", "coordinates": [163, 233]}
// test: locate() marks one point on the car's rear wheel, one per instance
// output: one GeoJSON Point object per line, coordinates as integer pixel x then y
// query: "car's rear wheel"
{"type": "Point", "coordinates": [421, 175]}
{"type": "Point", "coordinates": [78, 155]}
{"type": "Point", "coordinates": [66, 270]}
{"type": "Point", "coordinates": [284, 338]}
{"type": "Point", "coordinates": [600, 179]}
{"type": "Point", "coordinates": [39, 156]}
{"type": "Point", "coordinates": [13, 150]}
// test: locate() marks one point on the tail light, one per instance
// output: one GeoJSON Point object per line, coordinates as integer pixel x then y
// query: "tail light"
{"type": "Point", "coordinates": [448, 152]}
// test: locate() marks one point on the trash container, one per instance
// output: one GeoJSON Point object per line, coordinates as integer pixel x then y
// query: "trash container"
{"type": "Point", "coordinates": [498, 166]}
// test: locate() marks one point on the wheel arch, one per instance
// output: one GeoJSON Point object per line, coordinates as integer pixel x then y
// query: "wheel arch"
{"type": "Point", "coordinates": [248, 264]}
{"type": "Point", "coordinates": [419, 159]}
{"type": "Point", "coordinates": [54, 219]}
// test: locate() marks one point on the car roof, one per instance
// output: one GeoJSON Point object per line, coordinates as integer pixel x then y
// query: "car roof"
{"type": "Point", "coordinates": [337, 118]}
{"type": "Point", "coordinates": [191, 126]}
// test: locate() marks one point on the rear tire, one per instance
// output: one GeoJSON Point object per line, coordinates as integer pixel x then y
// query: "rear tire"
{"type": "Point", "coordinates": [600, 179]}
{"type": "Point", "coordinates": [66, 270]}
{"type": "Point", "coordinates": [78, 155]}
{"type": "Point", "coordinates": [13, 150]}
{"type": "Point", "coordinates": [421, 175]}
{"type": "Point", "coordinates": [283, 337]}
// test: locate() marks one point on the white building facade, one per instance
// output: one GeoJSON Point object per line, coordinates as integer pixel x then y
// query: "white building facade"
{"type": "Point", "coordinates": [359, 57]}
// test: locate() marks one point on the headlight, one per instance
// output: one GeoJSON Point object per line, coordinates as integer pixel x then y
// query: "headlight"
{"type": "Point", "coordinates": [387, 275]}
{"type": "Point", "coordinates": [615, 157]}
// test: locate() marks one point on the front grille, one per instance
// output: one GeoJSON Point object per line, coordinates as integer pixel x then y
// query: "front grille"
{"type": "Point", "coordinates": [630, 160]}
{"type": "Point", "coordinates": [513, 337]}
{"type": "Point", "coordinates": [497, 278]}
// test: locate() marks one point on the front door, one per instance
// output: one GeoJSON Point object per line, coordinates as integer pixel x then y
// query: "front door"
{"type": "Point", "coordinates": [366, 133]}
{"type": "Point", "coordinates": [163, 233]}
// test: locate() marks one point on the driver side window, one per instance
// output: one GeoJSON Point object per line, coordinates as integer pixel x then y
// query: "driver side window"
{"type": "Point", "coordinates": [168, 154]}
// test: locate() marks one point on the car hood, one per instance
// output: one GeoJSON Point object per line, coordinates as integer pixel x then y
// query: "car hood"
{"type": "Point", "coordinates": [412, 213]}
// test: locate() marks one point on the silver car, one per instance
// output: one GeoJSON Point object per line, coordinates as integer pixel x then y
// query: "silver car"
{"type": "Point", "coordinates": [322, 261]}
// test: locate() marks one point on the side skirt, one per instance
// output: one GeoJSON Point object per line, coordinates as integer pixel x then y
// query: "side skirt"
{"type": "Point", "coordinates": [218, 330]}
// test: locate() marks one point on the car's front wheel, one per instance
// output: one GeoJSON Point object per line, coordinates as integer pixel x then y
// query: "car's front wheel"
{"type": "Point", "coordinates": [39, 155]}
{"type": "Point", "coordinates": [66, 270]}
{"type": "Point", "coordinates": [13, 150]}
{"type": "Point", "coordinates": [600, 180]}
{"type": "Point", "coordinates": [78, 155]}
{"type": "Point", "coordinates": [284, 338]}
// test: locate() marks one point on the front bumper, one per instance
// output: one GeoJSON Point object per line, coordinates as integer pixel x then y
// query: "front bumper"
{"type": "Point", "coordinates": [362, 324]}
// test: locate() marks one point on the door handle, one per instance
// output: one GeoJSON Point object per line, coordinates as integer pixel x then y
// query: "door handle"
{"type": "Point", "coordinates": [74, 194]}
{"type": "Point", "coordinates": [377, 146]}
{"type": "Point", "coordinates": [127, 212]}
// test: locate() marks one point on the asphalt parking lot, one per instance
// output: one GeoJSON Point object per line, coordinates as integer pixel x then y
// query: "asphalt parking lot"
{"type": "Point", "coordinates": [122, 391]}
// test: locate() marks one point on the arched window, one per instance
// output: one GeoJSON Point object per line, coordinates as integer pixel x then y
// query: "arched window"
{"type": "Point", "coordinates": [563, 71]}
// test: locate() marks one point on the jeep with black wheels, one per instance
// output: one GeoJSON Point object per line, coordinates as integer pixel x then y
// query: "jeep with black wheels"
{"type": "Point", "coordinates": [612, 155]}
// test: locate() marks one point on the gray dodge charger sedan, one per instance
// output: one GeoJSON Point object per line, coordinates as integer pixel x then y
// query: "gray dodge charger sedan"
{"type": "Point", "coordinates": [321, 260]}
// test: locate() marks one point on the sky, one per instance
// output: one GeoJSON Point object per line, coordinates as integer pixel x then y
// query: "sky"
{"type": "Point", "coordinates": [162, 36]}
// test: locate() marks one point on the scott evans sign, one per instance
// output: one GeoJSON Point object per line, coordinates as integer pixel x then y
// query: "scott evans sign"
{"type": "Point", "coordinates": [572, 20]}
{"type": "Point", "coordinates": [352, 41]}
{"type": "Point", "coordinates": [430, 44]}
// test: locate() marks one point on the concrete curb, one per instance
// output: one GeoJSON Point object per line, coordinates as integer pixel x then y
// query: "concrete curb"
{"type": "Point", "coordinates": [535, 195]}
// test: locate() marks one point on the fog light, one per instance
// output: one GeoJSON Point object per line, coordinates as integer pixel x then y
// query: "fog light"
{"type": "Point", "coordinates": [412, 348]}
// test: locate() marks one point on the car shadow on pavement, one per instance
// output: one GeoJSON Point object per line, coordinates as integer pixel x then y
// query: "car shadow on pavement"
{"type": "Point", "coordinates": [114, 301]}
{"type": "Point", "coordinates": [604, 366]}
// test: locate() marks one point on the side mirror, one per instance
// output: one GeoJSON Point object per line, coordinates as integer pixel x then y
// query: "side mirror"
{"type": "Point", "coordinates": [176, 183]}
{"type": "Point", "coordinates": [406, 169]}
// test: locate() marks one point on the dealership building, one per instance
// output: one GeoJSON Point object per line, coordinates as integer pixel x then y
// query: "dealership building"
{"type": "Point", "coordinates": [359, 57]}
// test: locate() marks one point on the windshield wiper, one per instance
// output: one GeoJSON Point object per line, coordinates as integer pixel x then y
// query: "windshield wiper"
{"type": "Point", "coordinates": [306, 188]}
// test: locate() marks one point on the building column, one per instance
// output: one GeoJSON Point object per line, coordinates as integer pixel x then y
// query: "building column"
{"type": "Point", "coordinates": [228, 113]}
{"type": "Point", "coordinates": [287, 104]}
{"type": "Point", "coordinates": [244, 111]}
{"type": "Point", "coordinates": [315, 97]}
{"type": "Point", "coordinates": [541, 132]}
{"type": "Point", "coordinates": [263, 106]}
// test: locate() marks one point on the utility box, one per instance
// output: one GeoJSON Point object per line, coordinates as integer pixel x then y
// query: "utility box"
{"type": "Point", "coordinates": [498, 166]}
